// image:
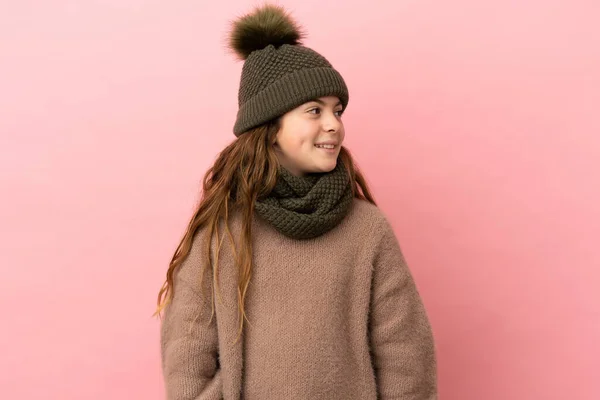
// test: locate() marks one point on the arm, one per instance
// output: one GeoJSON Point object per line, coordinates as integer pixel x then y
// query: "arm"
{"type": "Point", "coordinates": [402, 343]}
{"type": "Point", "coordinates": [189, 346]}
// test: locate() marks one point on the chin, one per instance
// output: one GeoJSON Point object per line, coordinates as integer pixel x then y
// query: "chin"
{"type": "Point", "coordinates": [321, 166]}
{"type": "Point", "coordinates": [327, 167]}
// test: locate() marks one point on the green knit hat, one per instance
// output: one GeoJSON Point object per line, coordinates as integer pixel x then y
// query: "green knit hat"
{"type": "Point", "coordinates": [279, 74]}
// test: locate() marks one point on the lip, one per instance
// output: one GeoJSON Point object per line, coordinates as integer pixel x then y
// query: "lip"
{"type": "Point", "coordinates": [331, 151]}
{"type": "Point", "coordinates": [333, 142]}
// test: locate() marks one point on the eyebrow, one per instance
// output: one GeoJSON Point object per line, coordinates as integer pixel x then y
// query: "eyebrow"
{"type": "Point", "coordinates": [323, 103]}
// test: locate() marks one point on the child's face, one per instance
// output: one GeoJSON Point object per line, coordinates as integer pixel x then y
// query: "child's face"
{"type": "Point", "coordinates": [304, 127]}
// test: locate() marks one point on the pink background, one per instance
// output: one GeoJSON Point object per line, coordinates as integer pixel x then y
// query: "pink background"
{"type": "Point", "coordinates": [475, 122]}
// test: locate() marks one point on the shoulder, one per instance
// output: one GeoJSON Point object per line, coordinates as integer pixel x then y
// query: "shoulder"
{"type": "Point", "coordinates": [380, 235]}
{"type": "Point", "coordinates": [370, 215]}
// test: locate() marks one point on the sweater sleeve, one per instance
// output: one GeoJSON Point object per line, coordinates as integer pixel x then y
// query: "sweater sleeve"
{"type": "Point", "coordinates": [189, 346]}
{"type": "Point", "coordinates": [402, 343]}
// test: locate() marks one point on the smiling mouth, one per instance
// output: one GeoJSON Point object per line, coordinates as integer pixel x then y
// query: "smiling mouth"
{"type": "Point", "coordinates": [329, 151]}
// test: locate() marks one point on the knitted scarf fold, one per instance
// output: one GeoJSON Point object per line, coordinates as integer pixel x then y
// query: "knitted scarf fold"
{"type": "Point", "coordinates": [309, 206]}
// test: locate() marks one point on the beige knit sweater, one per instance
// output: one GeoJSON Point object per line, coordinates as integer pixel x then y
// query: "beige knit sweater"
{"type": "Point", "coordinates": [335, 317]}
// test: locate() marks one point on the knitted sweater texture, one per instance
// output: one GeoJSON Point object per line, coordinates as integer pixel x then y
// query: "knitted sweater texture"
{"type": "Point", "coordinates": [334, 317]}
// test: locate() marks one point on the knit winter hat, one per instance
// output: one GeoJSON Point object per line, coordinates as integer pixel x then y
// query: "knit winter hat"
{"type": "Point", "coordinates": [279, 73]}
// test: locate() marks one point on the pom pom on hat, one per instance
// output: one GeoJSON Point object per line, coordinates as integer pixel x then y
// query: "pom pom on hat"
{"type": "Point", "coordinates": [265, 25]}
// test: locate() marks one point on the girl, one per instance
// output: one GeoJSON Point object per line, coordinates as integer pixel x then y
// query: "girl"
{"type": "Point", "coordinates": [312, 297]}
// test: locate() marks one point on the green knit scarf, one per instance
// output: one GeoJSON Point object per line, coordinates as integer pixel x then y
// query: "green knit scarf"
{"type": "Point", "coordinates": [307, 207]}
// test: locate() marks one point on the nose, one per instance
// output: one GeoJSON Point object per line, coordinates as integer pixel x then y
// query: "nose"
{"type": "Point", "coordinates": [331, 122]}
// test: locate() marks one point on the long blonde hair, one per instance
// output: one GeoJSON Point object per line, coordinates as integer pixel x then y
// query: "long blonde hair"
{"type": "Point", "coordinates": [243, 172]}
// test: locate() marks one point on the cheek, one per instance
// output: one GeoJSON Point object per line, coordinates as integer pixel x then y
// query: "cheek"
{"type": "Point", "coordinates": [291, 144]}
{"type": "Point", "coordinates": [299, 136]}
{"type": "Point", "coordinates": [300, 141]}
{"type": "Point", "coordinates": [301, 144]}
